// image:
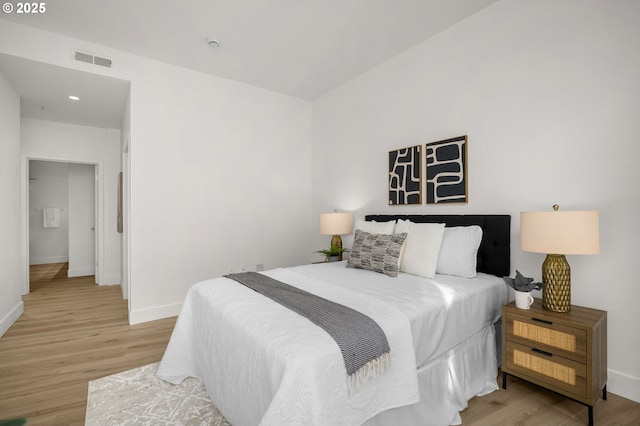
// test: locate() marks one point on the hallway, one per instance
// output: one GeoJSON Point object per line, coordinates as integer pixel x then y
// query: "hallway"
{"type": "Point", "coordinates": [72, 331]}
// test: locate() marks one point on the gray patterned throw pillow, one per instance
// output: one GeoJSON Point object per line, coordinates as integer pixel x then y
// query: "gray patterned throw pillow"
{"type": "Point", "coordinates": [376, 252]}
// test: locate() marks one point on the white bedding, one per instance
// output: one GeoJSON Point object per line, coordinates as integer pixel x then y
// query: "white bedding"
{"type": "Point", "coordinates": [264, 364]}
{"type": "Point", "coordinates": [259, 373]}
{"type": "Point", "coordinates": [443, 311]}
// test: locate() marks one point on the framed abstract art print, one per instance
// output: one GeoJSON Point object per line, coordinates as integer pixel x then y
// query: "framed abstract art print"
{"type": "Point", "coordinates": [405, 176]}
{"type": "Point", "coordinates": [447, 171]}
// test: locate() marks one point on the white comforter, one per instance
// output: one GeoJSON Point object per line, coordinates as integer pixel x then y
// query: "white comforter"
{"type": "Point", "coordinates": [443, 311]}
{"type": "Point", "coordinates": [264, 364]}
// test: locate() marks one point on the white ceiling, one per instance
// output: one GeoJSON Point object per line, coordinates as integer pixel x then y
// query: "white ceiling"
{"type": "Point", "coordinates": [302, 48]}
{"type": "Point", "coordinates": [44, 93]}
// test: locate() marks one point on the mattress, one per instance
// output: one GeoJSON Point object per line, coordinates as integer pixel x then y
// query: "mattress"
{"type": "Point", "coordinates": [263, 364]}
{"type": "Point", "coordinates": [443, 311]}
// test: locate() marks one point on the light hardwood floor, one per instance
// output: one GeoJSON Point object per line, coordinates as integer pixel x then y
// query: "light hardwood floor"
{"type": "Point", "coordinates": [74, 331]}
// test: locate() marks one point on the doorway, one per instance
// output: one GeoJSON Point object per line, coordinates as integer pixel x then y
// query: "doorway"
{"type": "Point", "coordinates": [62, 218]}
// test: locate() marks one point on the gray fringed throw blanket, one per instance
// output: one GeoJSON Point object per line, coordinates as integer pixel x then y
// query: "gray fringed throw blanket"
{"type": "Point", "coordinates": [363, 344]}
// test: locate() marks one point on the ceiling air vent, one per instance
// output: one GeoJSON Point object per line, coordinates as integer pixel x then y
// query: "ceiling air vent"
{"type": "Point", "coordinates": [83, 57]}
{"type": "Point", "coordinates": [103, 62]}
{"type": "Point", "coordinates": [90, 59]}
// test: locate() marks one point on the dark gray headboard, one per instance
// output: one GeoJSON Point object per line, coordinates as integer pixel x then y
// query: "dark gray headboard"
{"type": "Point", "coordinates": [494, 254]}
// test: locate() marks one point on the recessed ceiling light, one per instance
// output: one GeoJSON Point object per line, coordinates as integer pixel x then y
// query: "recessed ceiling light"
{"type": "Point", "coordinates": [74, 98]}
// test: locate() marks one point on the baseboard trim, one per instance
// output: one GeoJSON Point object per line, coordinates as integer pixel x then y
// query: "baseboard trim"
{"type": "Point", "coordinates": [46, 260]}
{"type": "Point", "coordinates": [151, 314]}
{"type": "Point", "coordinates": [11, 317]}
{"type": "Point", "coordinates": [81, 272]}
{"type": "Point", "coordinates": [623, 385]}
{"type": "Point", "coordinates": [110, 280]}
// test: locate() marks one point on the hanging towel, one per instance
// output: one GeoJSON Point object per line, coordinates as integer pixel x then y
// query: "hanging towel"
{"type": "Point", "coordinates": [51, 217]}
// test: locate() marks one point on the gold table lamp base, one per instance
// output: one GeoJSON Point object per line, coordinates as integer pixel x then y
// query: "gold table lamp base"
{"type": "Point", "coordinates": [336, 244]}
{"type": "Point", "coordinates": [556, 275]}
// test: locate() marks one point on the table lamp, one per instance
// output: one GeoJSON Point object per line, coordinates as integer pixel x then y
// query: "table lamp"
{"type": "Point", "coordinates": [335, 224]}
{"type": "Point", "coordinates": [558, 233]}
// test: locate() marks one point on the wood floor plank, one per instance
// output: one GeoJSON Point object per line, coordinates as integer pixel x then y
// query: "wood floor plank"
{"type": "Point", "coordinates": [73, 331]}
{"type": "Point", "coordinates": [524, 404]}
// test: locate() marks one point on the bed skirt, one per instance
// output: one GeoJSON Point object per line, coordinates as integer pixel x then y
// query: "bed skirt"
{"type": "Point", "coordinates": [448, 383]}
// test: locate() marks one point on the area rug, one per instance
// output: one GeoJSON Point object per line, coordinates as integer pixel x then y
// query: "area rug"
{"type": "Point", "coordinates": [139, 397]}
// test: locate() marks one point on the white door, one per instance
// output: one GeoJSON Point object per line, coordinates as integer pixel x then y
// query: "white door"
{"type": "Point", "coordinates": [82, 220]}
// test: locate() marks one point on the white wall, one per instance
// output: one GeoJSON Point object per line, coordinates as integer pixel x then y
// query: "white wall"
{"type": "Point", "coordinates": [220, 178]}
{"type": "Point", "coordinates": [219, 171]}
{"type": "Point", "coordinates": [548, 94]}
{"type": "Point", "coordinates": [126, 166]}
{"type": "Point", "coordinates": [11, 306]}
{"type": "Point", "coordinates": [84, 144]}
{"type": "Point", "coordinates": [48, 187]}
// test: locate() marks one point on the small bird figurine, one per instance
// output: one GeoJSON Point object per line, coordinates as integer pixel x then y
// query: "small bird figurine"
{"type": "Point", "coordinates": [522, 283]}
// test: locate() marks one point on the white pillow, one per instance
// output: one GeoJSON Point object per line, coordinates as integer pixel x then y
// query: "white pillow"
{"type": "Point", "coordinates": [459, 251]}
{"type": "Point", "coordinates": [421, 247]}
{"type": "Point", "coordinates": [373, 227]}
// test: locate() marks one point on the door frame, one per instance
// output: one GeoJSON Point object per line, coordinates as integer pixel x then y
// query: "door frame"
{"type": "Point", "coordinates": [24, 207]}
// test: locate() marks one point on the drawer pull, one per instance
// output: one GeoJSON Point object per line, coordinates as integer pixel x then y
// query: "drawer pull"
{"type": "Point", "coordinates": [542, 321]}
{"type": "Point", "coordinates": [541, 352]}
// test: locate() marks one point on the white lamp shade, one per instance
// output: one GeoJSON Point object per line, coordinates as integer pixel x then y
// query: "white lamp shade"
{"type": "Point", "coordinates": [336, 223]}
{"type": "Point", "coordinates": [560, 232]}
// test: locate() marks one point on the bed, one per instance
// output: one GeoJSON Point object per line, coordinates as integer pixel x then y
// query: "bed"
{"type": "Point", "coordinates": [262, 363]}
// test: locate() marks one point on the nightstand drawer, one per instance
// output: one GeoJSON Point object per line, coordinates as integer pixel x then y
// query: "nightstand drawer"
{"type": "Point", "coordinates": [549, 369]}
{"type": "Point", "coordinates": [568, 342]}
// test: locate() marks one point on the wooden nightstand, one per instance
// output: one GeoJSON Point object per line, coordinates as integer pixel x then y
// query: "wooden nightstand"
{"type": "Point", "coordinates": [563, 352]}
